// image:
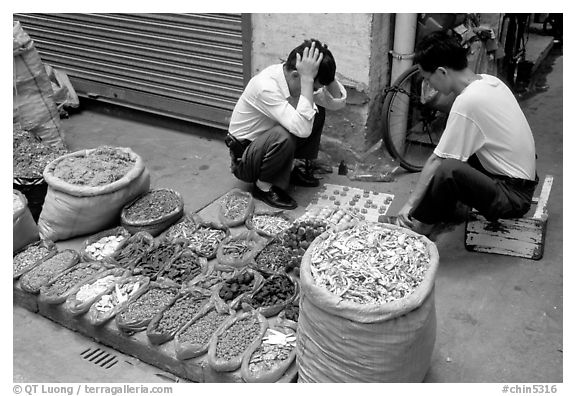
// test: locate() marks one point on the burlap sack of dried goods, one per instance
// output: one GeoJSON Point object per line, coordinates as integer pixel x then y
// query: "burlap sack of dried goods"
{"type": "Point", "coordinates": [109, 304]}
{"type": "Point", "coordinates": [24, 229]}
{"type": "Point", "coordinates": [183, 308]}
{"type": "Point", "coordinates": [231, 342]}
{"type": "Point", "coordinates": [34, 105]}
{"type": "Point", "coordinates": [74, 209]}
{"type": "Point", "coordinates": [193, 339]}
{"type": "Point", "coordinates": [92, 289]}
{"type": "Point", "coordinates": [138, 313]}
{"type": "Point", "coordinates": [278, 368]}
{"type": "Point", "coordinates": [341, 340]}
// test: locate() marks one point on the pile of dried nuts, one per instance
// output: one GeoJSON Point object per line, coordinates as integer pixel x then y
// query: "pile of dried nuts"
{"type": "Point", "coordinates": [29, 256]}
{"type": "Point", "coordinates": [201, 330]}
{"type": "Point", "coordinates": [67, 280]}
{"type": "Point", "coordinates": [153, 205]}
{"type": "Point", "coordinates": [274, 257]}
{"type": "Point", "coordinates": [105, 246]}
{"type": "Point", "coordinates": [232, 288]}
{"type": "Point", "coordinates": [102, 166]}
{"type": "Point", "coordinates": [269, 223]}
{"type": "Point", "coordinates": [185, 267]}
{"type": "Point", "coordinates": [206, 240]}
{"type": "Point", "coordinates": [370, 264]}
{"type": "Point", "coordinates": [275, 348]}
{"type": "Point", "coordinates": [298, 238]}
{"type": "Point", "coordinates": [179, 313]}
{"type": "Point", "coordinates": [275, 290]}
{"type": "Point", "coordinates": [148, 304]}
{"type": "Point", "coordinates": [237, 338]}
{"type": "Point", "coordinates": [42, 273]}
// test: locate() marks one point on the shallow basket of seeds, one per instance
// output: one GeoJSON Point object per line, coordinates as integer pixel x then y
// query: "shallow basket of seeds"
{"type": "Point", "coordinates": [370, 263]}
{"type": "Point", "coordinates": [164, 326]}
{"type": "Point", "coordinates": [194, 338]}
{"type": "Point", "coordinates": [31, 255]}
{"type": "Point", "coordinates": [269, 223]}
{"type": "Point", "coordinates": [229, 344]}
{"type": "Point", "coordinates": [235, 207]}
{"type": "Point", "coordinates": [60, 287]}
{"type": "Point", "coordinates": [33, 280]}
{"type": "Point", "coordinates": [153, 211]}
{"type": "Point", "coordinates": [138, 313]}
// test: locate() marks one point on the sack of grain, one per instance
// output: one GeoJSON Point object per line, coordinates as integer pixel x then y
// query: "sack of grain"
{"type": "Point", "coordinates": [24, 229]}
{"type": "Point", "coordinates": [367, 310]}
{"type": "Point", "coordinates": [87, 190]}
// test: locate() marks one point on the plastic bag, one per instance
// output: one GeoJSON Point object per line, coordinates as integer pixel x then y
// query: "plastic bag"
{"type": "Point", "coordinates": [136, 286]}
{"type": "Point", "coordinates": [93, 256]}
{"type": "Point", "coordinates": [270, 370]}
{"type": "Point", "coordinates": [21, 264]}
{"type": "Point", "coordinates": [32, 280]}
{"type": "Point", "coordinates": [73, 210]}
{"type": "Point", "coordinates": [81, 299]}
{"type": "Point", "coordinates": [131, 251]}
{"type": "Point", "coordinates": [238, 250]}
{"type": "Point", "coordinates": [284, 222]}
{"type": "Point", "coordinates": [138, 313]}
{"type": "Point", "coordinates": [235, 207]}
{"type": "Point", "coordinates": [207, 238]}
{"type": "Point", "coordinates": [229, 294]}
{"type": "Point", "coordinates": [233, 340]}
{"type": "Point", "coordinates": [185, 306]}
{"type": "Point", "coordinates": [24, 229]}
{"type": "Point", "coordinates": [194, 338]}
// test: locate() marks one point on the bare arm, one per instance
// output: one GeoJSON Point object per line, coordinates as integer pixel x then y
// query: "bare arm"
{"type": "Point", "coordinates": [334, 89]}
{"type": "Point", "coordinates": [428, 171]}
{"type": "Point", "coordinates": [307, 66]}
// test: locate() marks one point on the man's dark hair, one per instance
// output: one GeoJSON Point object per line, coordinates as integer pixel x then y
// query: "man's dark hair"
{"type": "Point", "coordinates": [327, 69]}
{"type": "Point", "coordinates": [441, 49]}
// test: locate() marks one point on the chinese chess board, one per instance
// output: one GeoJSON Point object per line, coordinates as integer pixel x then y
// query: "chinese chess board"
{"type": "Point", "coordinates": [361, 204]}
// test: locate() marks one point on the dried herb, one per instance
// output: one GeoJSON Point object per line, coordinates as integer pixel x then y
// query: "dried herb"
{"type": "Point", "coordinates": [205, 240]}
{"type": "Point", "coordinates": [274, 257]}
{"type": "Point", "coordinates": [269, 223]}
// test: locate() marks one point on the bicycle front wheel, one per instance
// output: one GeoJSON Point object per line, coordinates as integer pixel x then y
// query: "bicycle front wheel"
{"type": "Point", "coordinates": [411, 129]}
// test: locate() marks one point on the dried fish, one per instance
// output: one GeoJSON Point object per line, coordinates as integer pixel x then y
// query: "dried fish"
{"type": "Point", "coordinates": [369, 263]}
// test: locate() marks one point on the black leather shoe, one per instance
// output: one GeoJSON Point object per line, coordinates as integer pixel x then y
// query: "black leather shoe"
{"type": "Point", "coordinates": [275, 197]}
{"type": "Point", "coordinates": [299, 178]}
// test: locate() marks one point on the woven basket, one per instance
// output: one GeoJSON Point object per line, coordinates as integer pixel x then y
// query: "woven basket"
{"type": "Point", "coordinates": [153, 226]}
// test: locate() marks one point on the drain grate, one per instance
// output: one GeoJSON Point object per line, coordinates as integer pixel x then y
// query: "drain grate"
{"type": "Point", "coordinates": [99, 357]}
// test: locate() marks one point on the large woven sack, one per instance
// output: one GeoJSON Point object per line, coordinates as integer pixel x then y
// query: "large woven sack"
{"type": "Point", "coordinates": [24, 229]}
{"type": "Point", "coordinates": [34, 105]}
{"type": "Point", "coordinates": [73, 210]}
{"type": "Point", "coordinates": [343, 341]}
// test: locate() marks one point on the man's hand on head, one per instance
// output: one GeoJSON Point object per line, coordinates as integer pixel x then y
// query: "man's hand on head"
{"type": "Point", "coordinates": [308, 64]}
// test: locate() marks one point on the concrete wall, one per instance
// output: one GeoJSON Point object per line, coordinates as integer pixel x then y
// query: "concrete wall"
{"type": "Point", "coordinates": [359, 43]}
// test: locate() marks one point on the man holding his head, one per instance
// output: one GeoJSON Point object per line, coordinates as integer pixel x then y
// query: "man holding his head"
{"type": "Point", "coordinates": [279, 117]}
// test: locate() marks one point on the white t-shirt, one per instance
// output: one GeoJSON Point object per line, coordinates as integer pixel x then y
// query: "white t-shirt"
{"type": "Point", "coordinates": [487, 120]}
{"type": "Point", "coordinates": [265, 103]}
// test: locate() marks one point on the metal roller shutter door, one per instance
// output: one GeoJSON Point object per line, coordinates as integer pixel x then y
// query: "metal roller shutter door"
{"type": "Point", "coordinates": [187, 66]}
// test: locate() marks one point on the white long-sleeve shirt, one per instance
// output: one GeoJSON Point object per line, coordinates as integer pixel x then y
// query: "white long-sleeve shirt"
{"type": "Point", "coordinates": [265, 104]}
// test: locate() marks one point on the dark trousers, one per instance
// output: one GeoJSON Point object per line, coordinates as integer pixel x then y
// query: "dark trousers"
{"type": "Point", "coordinates": [469, 183]}
{"type": "Point", "coordinates": [269, 157]}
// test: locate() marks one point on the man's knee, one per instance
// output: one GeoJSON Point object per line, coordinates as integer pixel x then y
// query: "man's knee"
{"type": "Point", "coordinates": [281, 137]}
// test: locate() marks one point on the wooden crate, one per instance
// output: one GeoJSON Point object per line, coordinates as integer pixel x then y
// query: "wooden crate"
{"type": "Point", "coordinates": [523, 237]}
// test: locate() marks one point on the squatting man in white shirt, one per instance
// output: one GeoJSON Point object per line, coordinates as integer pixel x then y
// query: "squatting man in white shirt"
{"type": "Point", "coordinates": [279, 117]}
